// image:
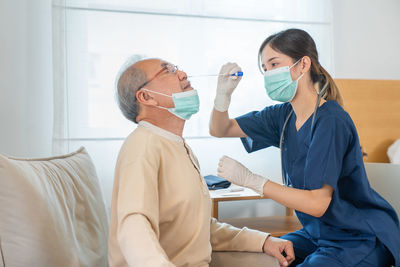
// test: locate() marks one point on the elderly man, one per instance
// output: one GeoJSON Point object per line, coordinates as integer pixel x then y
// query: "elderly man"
{"type": "Point", "coordinates": [161, 208]}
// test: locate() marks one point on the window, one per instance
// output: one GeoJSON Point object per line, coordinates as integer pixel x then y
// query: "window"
{"type": "Point", "coordinates": [198, 36]}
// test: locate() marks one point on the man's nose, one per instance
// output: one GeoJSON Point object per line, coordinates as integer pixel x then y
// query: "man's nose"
{"type": "Point", "coordinates": [181, 75]}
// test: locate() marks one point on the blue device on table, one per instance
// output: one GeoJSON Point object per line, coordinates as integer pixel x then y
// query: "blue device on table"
{"type": "Point", "coordinates": [216, 182]}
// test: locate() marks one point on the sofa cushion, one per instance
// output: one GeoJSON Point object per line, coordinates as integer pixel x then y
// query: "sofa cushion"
{"type": "Point", "coordinates": [52, 212]}
{"type": "Point", "coordinates": [240, 259]}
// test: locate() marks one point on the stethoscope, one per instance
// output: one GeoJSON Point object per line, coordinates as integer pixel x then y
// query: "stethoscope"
{"type": "Point", "coordinates": [320, 95]}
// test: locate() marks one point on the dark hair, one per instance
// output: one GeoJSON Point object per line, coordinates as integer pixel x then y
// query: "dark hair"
{"type": "Point", "coordinates": [296, 44]}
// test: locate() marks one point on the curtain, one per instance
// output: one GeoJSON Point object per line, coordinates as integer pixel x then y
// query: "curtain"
{"type": "Point", "coordinates": [60, 125]}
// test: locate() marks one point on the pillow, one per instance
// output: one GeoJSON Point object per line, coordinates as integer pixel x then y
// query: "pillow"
{"type": "Point", "coordinates": [393, 152]}
{"type": "Point", "coordinates": [1, 257]}
{"type": "Point", "coordinates": [52, 212]}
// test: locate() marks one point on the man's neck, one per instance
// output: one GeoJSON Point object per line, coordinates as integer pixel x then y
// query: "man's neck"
{"type": "Point", "coordinates": [170, 124]}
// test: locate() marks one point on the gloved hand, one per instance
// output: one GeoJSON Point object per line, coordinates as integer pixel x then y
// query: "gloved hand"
{"type": "Point", "coordinates": [236, 173]}
{"type": "Point", "coordinates": [226, 85]}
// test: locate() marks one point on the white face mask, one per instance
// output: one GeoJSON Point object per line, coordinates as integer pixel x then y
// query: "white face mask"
{"type": "Point", "coordinates": [186, 103]}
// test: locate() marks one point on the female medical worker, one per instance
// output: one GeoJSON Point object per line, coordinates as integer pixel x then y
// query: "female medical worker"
{"type": "Point", "coordinates": [345, 222]}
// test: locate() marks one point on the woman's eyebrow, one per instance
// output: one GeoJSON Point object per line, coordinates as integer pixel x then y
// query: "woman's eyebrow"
{"type": "Point", "coordinates": [271, 59]}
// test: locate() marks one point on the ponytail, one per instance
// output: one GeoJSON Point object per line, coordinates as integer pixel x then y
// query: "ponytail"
{"type": "Point", "coordinates": [332, 91]}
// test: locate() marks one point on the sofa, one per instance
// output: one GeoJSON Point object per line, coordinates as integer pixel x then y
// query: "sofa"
{"type": "Point", "coordinates": [52, 213]}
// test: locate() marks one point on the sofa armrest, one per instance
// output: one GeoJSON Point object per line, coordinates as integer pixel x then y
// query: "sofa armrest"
{"type": "Point", "coordinates": [240, 259]}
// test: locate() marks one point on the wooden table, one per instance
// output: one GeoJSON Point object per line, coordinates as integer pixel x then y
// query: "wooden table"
{"type": "Point", "coordinates": [276, 225]}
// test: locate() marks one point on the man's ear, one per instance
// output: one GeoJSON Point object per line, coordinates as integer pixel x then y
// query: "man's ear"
{"type": "Point", "coordinates": [146, 98]}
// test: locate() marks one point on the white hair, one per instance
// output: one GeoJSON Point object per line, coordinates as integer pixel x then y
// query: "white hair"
{"type": "Point", "coordinates": [127, 82]}
{"type": "Point", "coordinates": [128, 63]}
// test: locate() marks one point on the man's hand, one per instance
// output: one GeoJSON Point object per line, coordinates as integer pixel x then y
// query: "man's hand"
{"type": "Point", "coordinates": [236, 173]}
{"type": "Point", "coordinates": [275, 247]}
{"type": "Point", "coordinates": [226, 85]}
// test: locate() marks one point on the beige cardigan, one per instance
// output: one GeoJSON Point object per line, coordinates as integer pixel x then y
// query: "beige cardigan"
{"type": "Point", "coordinates": [160, 213]}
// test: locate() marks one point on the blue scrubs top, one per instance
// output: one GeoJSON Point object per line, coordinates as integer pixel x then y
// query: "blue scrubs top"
{"type": "Point", "coordinates": [329, 154]}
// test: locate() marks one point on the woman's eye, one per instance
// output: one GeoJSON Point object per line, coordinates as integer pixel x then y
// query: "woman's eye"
{"type": "Point", "coordinates": [274, 64]}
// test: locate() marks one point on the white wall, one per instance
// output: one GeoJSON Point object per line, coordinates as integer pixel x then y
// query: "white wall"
{"type": "Point", "coordinates": [13, 39]}
{"type": "Point", "coordinates": [366, 39]}
{"type": "Point", "coordinates": [26, 105]}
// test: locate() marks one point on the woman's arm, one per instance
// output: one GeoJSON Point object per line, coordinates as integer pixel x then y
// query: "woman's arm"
{"type": "Point", "coordinates": [222, 126]}
{"type": "Point", "coordinates": [313, 202]}
{"type": "Point", "coordinates": [220, 123]}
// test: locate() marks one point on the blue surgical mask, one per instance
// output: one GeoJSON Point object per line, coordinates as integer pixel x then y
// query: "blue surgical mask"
{"type": "Point", "coordinates": [279, 84]}
{"type": "Point", "coordinates": [186, 103]}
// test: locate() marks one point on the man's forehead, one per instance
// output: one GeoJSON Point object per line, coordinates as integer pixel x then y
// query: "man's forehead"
{"type": "Point", "coordinates": [150, 65]}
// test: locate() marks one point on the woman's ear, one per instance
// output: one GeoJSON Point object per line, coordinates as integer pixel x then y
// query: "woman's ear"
{"type": "Point", "coordinates": [146, 98]}
{"type": "Point", "coordinates": [305, 64]}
